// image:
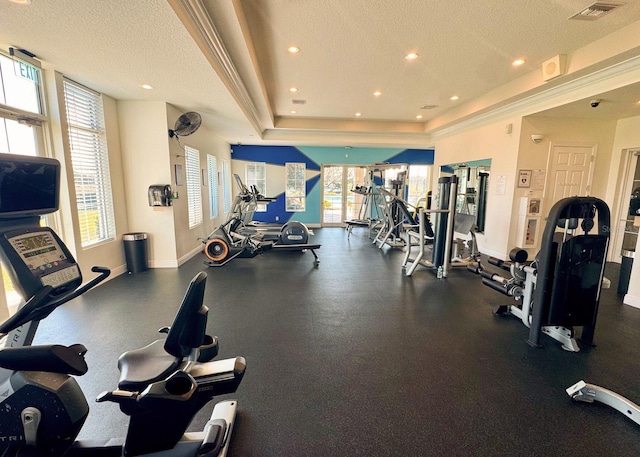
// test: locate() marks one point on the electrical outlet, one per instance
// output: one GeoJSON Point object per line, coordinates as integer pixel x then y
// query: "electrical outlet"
{"type": "Point", "coordinates": [277, 218]}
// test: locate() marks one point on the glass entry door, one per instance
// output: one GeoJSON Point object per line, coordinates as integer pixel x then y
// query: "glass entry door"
{"type": "Point", "coordinates": [339, 203]}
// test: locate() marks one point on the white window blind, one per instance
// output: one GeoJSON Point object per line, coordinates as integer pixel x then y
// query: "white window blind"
{"type": "Point", "coordinates": [295, 193]}
{"type": "Point", "coordinates": [194, 191]}
{"type": "Point", "coordinates": [90, 163]}
{"type": "Point", "coordinates": [226, 187]}
{"type": "Point", "coordinates": [256, 175]}
{"type": "Point", "coordinates": [212, 167]}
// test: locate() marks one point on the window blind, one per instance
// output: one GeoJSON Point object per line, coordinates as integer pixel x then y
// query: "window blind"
{"type": "Point", "coordinates": [194, 191]}
{"type": "Point", "coordinates": [226, 187]}
{"type": "Point", "coordinates": [90, 163]}
{"type": "Point", "coordinates": [212, 167]}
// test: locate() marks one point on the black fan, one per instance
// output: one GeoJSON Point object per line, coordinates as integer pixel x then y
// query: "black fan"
{"type": "Point", "coordinates": [186, 124]}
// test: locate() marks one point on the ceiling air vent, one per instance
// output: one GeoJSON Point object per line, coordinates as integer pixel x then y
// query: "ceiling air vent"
{"type": "Point", "coordinates": [429, 107]}
{"type": "Point", "coordinates": [297, 101]}
{"type": "Point", "coordinates": [596, 11]}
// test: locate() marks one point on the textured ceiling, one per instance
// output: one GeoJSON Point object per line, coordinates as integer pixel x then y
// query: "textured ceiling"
{"type": "Point", "coordinates": [349, 48]}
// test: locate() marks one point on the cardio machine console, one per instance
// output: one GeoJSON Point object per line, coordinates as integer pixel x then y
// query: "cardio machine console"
{"type": "Point", "coordinates": [39, 258]}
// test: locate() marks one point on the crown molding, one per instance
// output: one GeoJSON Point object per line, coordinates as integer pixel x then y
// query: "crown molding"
{"type": "Point", "coordinates": [617, 75]}
{"type": "Point", "coordinates": [196, 19]}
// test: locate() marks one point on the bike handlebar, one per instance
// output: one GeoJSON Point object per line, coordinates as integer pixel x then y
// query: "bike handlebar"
{"type": "Point", "coordinates": [37, 308]}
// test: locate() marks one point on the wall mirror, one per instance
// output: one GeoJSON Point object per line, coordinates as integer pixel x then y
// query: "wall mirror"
{"type": "Point", "coordinates": [473, 187]}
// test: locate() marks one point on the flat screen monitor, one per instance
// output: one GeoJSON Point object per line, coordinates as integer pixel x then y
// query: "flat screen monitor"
{"type": "Point", "coordinates": [29, 186]}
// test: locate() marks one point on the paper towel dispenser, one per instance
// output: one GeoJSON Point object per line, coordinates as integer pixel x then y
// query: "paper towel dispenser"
{"type": "Point", "coordinates": [160, 195]}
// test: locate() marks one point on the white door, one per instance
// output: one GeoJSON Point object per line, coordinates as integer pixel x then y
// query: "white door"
{"type": "Point", "coordinates": [570, 172]}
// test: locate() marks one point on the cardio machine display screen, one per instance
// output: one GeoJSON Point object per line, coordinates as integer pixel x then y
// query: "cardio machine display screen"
{"type": "Point", "coordinates": [38, 250]}
{"type": "Point", "coordinates": [42, 254]}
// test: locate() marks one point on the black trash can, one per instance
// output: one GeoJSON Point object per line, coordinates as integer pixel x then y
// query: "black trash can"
{"type": "Point", "coordinates": [625, 271]}
{"type": "Point", "coordinates": [135, 251]}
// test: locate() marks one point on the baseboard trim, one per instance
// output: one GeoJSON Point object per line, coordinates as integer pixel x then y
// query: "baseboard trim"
{"type": "Point", "coordinates": [189, 255]}
{"type": "Point", "coordinates": [491, 253]}
{"type": "Point", "coordinates": [163, 264]}
{"type": "Point", "coordinates": [631, 301]}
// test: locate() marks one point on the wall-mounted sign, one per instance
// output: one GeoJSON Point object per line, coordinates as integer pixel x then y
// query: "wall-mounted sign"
{"type": "Point", "coordinates": [26, 71]}
{"type": "Point", "coordinates": [501, 185]}
{"type": "Point", "coordinates": [524, 178]}
{"type": "Point", "coordinates": [538, 179]}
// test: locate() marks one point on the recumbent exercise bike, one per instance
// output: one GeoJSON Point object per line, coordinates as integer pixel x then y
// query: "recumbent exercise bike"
{"type": "Point", "coordinates": [161, 386]}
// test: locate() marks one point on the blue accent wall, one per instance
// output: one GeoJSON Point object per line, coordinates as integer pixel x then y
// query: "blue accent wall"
{"type": "Point", "coordinates": [314, 157]}
{"type": "Point", "coordinates": [414, 157]}
{"type": "Point", "coordinates": [275, 155]}
{"type": "Point", "coordinates": [277, 208]}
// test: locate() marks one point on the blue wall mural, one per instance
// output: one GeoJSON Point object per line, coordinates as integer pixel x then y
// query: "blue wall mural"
{"type": "Point", "coordinates": [314, 157]}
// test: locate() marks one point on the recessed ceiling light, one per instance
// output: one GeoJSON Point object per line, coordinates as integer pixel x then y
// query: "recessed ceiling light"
{"type": "Point", "coordinates": [358, 114]}
{"type": "Point", "coordinates": [21, 2]}
{"type": "Point", "coordinates": [518, 62]}
{"type": "Point", "coordinates": [293, 111]}
{"type": "Point", "coordinates": [377, 93]}
{"type": "Point", "coordinates": [411, 56]}
{"type": "Point", "coordinates": [454, 98]}
{"type": "Point", "coordinates": [293, 49]}
{"type": "Point", "coordinates": [293, 89]}
{"type": "Point", "coordinates": [419, 116]}
{"type": "Point", "coordinates": [146, 86]}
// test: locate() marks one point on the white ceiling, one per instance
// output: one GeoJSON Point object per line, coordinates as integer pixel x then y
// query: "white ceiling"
{"type": "Point", "coordinates": [228, 59]}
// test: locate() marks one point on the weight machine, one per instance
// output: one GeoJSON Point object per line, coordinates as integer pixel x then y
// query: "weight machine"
{"type": "Point", "coordinates": [560, 290]}
{"type": "Point", "coordinates": [445, 250]}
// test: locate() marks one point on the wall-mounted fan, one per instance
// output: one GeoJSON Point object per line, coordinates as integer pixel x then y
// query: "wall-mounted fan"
{"type": "Point", "coordinates": [186, 124]}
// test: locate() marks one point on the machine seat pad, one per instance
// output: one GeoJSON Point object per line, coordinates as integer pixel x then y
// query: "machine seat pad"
{"type": "Point", "coordinates": [141, 367]}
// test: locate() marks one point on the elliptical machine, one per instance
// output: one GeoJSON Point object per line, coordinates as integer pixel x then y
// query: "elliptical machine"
{"type": "Point", "coordinates": [161, 387]}
{"type": "Point", "coordinates": [240, 237]}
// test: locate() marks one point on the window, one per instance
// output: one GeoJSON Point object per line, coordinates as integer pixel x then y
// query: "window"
{"type": "Point", "coordinates": [20, 84]}
{"type": "Point", "coordinates": [295, 193]}
{"type": "Point", "coordinates": [256, 175]}
{"type": "Point", "coordinates": [16, 138]}
{"type": "Point", "coordinates": [20, 98]}
{"type": "Point", "coordinates": [418, 183]}
{"type": "Point", "coordinates": [212, 167]}
{"type": "Point", "coordinates": [90, 163]}
{"type": "Point", "coordinates": [20, 106]}
{"type": "Point", "coordinates": [194, 192]}
{"type": "Point", "coordinates": [226, 186]}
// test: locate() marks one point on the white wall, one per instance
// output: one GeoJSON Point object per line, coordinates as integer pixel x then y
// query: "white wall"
{"type": "Point", "coordinates": [145, 159]}
{"type": "Point", "coordinates": [489, 141]}
{"type": "Point", "coordinates": [188, 241]}
{"type": "Point", "coordinates": [564, 131]}
{"type": "Point", "coordinates": [512, 152]}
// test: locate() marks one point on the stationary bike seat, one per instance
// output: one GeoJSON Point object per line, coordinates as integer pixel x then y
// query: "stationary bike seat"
{"type": "Point", "coordinates": [141, 367]}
